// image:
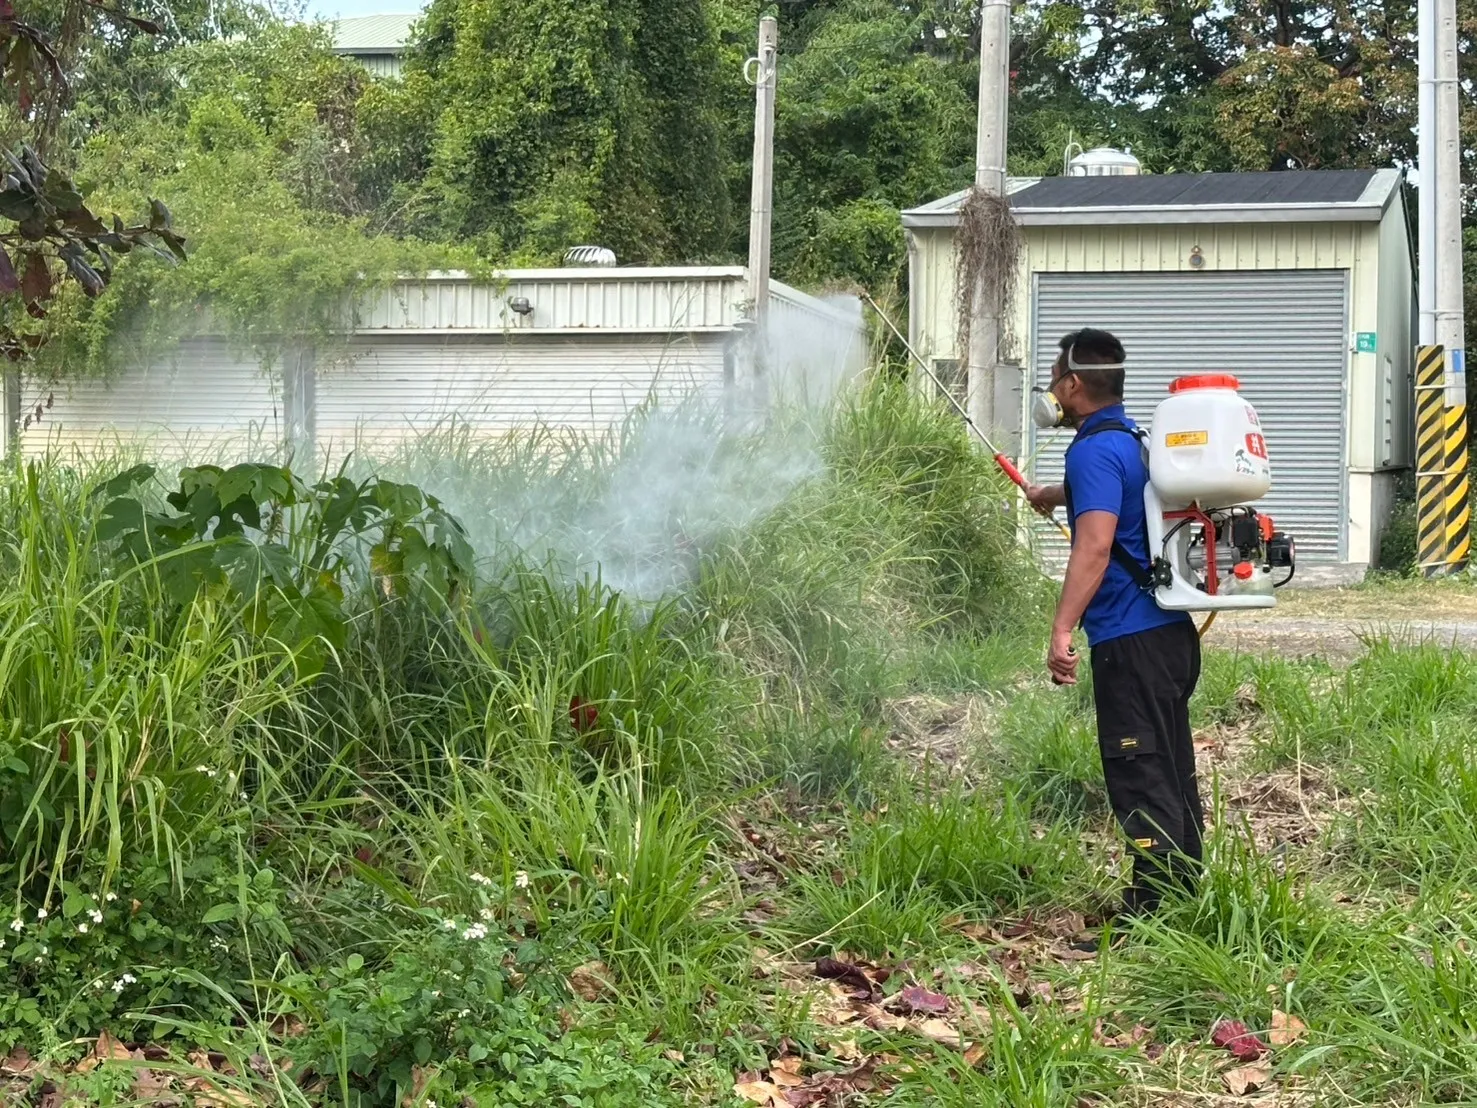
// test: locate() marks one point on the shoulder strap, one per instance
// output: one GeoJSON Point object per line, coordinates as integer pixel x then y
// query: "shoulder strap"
{"type": "Point", "coordinates": [1140, 574]}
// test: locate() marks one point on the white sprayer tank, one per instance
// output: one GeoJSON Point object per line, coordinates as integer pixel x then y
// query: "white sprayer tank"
{"type": "Point", "coordinates": [1206, 446]}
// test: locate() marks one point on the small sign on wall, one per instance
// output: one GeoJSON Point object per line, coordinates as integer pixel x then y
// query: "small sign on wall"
{"type": "Point", "coordinates": [1367, 342]}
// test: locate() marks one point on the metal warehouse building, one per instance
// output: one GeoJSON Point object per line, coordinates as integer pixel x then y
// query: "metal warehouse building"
{"type": "Point", "coordinates": [573, 348]}
{"type": "Point", "coordinates": [1299, 283]}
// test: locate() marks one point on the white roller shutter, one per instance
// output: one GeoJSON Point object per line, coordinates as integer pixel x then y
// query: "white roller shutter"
{"type": "Point", "coordinates": [391, 389]}
{"type": "Point", "coordinates": [1284, 333]}
{"type": "Point", "coordinates": [203, 402]}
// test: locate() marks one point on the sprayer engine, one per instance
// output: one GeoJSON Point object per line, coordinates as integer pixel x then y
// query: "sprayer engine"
{"type": "Point", "coordinates": [1206, 448]}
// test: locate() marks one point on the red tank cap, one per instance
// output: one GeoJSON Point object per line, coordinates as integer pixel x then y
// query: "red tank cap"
{"type": "Point", "coordinates": [1243, 571]}
{"type": "Point", "coordinates": [1205, 381]}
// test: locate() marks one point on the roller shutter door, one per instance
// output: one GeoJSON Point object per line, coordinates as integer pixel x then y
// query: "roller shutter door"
{"type": "Point", "coordinates": [388, 390]}
{"type": "Point", "coordinates": [1283, 333]}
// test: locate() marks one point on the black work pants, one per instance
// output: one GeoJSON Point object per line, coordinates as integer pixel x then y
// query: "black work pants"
{"type": "Point", "coordinates": [1142, 686]}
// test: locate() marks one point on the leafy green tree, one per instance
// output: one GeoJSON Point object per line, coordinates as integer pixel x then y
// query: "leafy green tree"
{"type": "Point", "coordinates": [577, 121]}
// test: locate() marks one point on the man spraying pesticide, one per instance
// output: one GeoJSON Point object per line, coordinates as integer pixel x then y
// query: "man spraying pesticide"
{"type": "Point", "coordinates": [1160, 527]}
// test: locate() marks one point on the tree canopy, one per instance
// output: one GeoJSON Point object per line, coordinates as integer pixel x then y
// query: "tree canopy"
{"type": "Point", "coordinates": [522, 127]}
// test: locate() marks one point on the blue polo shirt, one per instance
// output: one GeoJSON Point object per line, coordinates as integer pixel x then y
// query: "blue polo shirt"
{"type": "Point", "coordinates": [1107, 473]}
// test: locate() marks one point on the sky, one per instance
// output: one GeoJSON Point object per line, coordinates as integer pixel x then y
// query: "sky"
{"type": "Point", "coordinates": [328, 8]}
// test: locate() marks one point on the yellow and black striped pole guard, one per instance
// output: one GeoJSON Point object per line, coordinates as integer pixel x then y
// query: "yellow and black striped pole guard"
{"type": "Point", "coordinates": [1431, 460]}
{"type": "Point", "coordinates": [1458, 491]}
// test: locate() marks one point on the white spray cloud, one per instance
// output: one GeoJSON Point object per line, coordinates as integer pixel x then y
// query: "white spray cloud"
{"type": "Point", "coordinates": [686, 473]}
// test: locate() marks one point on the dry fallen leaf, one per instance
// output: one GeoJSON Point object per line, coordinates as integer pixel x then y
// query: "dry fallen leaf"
{"type": "Point", "coordinates": [916, 1000]}
{"type": "Point", "coordinates": [288, 1027]}
{"type": "Point", "coordinates": [758, 1092]}
{"type": "Point", "coordinates": [846, 1050]}
{"type": "Point", "coordinates": [1286, 1029]}
{"type": "Point", "coordinates": [591, 981]}
{"type": "Point", "coordinates": [420, 1077]}
{"type": "Point", "coordinates": [785, 1072]}
{"type": "Point", "coordinates": [674, 1056]}
{"type": "Point", "coordinates": [1246, 1079]}
{"type": "Point", "coordinates": [18, 1063]}
{"type": "Point", "coordinates": [940, 1031]}
{"type": "Point", "coordinates": [149, 1085]}
{"type": "Point", "coordinates": [108, 1048]}
{"type": "Point", "coordinates": [976, 1054]}
{"type": "Point", "coordinates": [849, 975]}
{"type": "Point", "coordinates": [1233, 1035]}
{"type": "Point", "coordinates": [878, 1020]}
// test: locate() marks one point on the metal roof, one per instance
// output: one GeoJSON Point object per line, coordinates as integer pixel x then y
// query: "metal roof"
{"type": "Point", "coordinates": [1347, 195]}
{"type": "Point", "coordinates": [373, 34]}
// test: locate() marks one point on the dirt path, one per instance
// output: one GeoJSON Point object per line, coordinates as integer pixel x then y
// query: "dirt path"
{"type": "Point", "coordinates": [1339, 621]}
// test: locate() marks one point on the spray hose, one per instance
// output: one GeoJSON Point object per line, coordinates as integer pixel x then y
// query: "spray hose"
{"type": "Point", "coordinates": [1007, 467]}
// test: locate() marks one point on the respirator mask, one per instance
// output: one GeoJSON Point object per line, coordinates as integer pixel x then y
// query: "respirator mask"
{"type": "Point", "coordinates": [1046, 410]}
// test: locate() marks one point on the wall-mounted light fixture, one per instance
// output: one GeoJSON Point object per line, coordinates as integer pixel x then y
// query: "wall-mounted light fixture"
{"type": "Point", "coordinates": [521, 304]}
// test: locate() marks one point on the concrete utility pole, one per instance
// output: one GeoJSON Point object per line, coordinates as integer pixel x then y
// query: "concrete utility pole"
{"type": "Point", "coordinates": [759, 71]}
{"type": "Point", "coordinates": [989, 176]}
{"type": "Point", "coordinates": [1450, 322]}
{"type": "Point", "coordinates": [1426, 70]}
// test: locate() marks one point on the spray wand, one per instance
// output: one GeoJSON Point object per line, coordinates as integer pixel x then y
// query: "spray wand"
{"type": "Point", "coordinates": [1007, 467]}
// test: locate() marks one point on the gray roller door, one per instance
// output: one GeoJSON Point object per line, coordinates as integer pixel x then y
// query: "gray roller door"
{"type": "Point", "coordinates": [1283, 333]}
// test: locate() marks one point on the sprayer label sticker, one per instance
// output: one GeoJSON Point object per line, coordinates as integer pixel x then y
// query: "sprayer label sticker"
{"type": "Point", "coordinates": [1256, 446]}
{"type": "Point", "coordinates": [1252, 417]}
{"type": "Point", "coordinates": [1187, 438]}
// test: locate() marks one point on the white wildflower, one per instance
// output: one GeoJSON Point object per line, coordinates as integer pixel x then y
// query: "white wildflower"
{"type": "Point", "coordinates": [42, 913]}
{"type": "Point", "coordinates": [448, 924]}
{"type": "Point", "coordinates": [82, 929]}
{"type": "Point", "coordinates": [478, 879]}
{"type": "Point", "coordinates": [520, 879]}
{"type": "Point", "coordinates": [476, 931]}
{"type": "Point", "coordinates": [130, 979]}
{"type": "Point", "coordinates": [486, 913]}
{"type": "Point", "coordinates": [97, 916]}
{"type": "Point", "coordinates": [38, 959]}
{"type": "Point", "coordinates": [17, 926]}
{"type": "Point", "coordinates": [118, 986]}
{"type": "Point", "coordinates": [111, 897]}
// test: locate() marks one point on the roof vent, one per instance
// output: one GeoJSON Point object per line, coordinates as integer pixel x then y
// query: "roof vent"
{"type": "Point", "coordinates": [589, 256]}
{"type": "Point", "coordinates": [1104, 161]}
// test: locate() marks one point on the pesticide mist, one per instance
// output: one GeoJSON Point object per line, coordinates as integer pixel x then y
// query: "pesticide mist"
{"type": "Point", "coordinates": [637, 504]}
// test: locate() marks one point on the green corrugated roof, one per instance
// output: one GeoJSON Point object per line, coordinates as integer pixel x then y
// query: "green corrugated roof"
{"type": "Point", "coordinates": [373, 34]}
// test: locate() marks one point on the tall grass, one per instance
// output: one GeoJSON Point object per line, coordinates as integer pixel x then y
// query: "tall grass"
{"type": "Point", "coordinates": [554, 727]}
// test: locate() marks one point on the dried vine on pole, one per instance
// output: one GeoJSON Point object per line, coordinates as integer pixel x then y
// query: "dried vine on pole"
{"type": "Point", "coordinates": [987, 245]}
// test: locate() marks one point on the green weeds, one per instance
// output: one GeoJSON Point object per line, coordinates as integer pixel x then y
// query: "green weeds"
{"type": "Point", "coordinates": [569, 839]}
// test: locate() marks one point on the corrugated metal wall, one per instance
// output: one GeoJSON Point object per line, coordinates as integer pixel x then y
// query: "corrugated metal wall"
{"type": "Point", "coordinates": [598, 343]}
{"type": "Point", "coordinates": [389, 389]}
{"type": "Point", "coordinates": [204, 402]}
{"type": "Point", "coordinates": [1282, 333]}
{"type": "Point", "coordinates": [631, 300]}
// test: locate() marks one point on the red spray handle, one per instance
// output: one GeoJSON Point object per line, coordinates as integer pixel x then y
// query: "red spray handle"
{"type": "Point", "coordinates": [1008, 468]}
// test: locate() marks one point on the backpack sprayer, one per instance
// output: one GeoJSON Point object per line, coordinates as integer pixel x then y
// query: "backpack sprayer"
{"type": "Point", "coordinates": [1205, 447]}
{"type": "Point", "coordinates": [1208, 465]}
